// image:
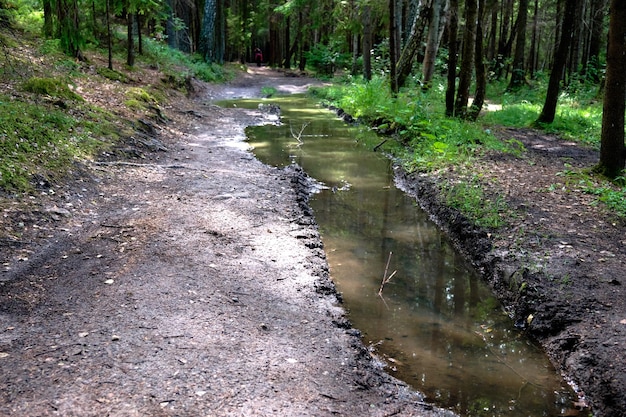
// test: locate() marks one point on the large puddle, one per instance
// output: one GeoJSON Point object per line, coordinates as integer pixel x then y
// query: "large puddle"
{"type": "Point", "coordinates": [436, 325]}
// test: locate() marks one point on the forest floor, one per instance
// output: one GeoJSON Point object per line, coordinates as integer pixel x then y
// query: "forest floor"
{"type": "Point", "coordinates": [192, 280]}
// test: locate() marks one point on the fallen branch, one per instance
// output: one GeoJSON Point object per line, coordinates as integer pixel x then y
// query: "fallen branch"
{"type": "Point", "coordinates": [379, 145]}
{"type": "Point", "coordinates": [298, 136]}
{"type": "Point", "coordinates": [386, 278]}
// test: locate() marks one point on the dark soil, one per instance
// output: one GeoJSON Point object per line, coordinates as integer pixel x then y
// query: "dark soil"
{"type": "Point", "coordinates": [187, 278]}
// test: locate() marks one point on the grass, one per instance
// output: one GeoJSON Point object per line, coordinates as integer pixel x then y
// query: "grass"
{"type": "Point", "coordinates": [39, 143]}
{"type": "Point", "coordinates": [426, 141]}
{"type": "Point", "coordinates": [578, 117]}
{"type": "Point", "coordinates": [46, 125]}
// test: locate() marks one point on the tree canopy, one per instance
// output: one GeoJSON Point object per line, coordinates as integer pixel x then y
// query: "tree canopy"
{"type": "Point", "coordinates": [470, 42]}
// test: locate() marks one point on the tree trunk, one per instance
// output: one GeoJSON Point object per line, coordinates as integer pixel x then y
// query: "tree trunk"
{"type": "Point", "coordinates": [405, 62]}
{"type": "Point", "coordinates": [393, 40]}
{"type": "Point", "coordinates": [453, 24]}
{"type": "Point", "coordinates": [139, 37]}
{"type": "Point", "coordinates": [274, 54]}
{"type": "Point", "coordinates": [612, 151]}
{"type": "Point", "coordinates": [48, 23]}
{"type": "Point", "coordinates": [109, 40]}
{"type": "Point", "coordinates": [366, 17]}
{"type": "Point", "coordinates": [493, 31]}
{"type": "Point", "coordinates": [518, 76]}
{"type": "Point", "coordinates": [533, 43]}
{"type": "Point", "coordinates": [432, 44]}
{"type": "Point", "coordinates": [212, 33]}
{"type": "Point", "coordinates": [560, 59]}
{"type": "Point", "coordinates": [574, 59]}
{"type": "Point", "coordinates": [481, 75]}
{"type": "Point", "coordinates": [130, 56]}
{"type": "Point", "coordinates": [506, 38]}
{"type": "Point", "coordinates": [598, 9]}
{"type": "Point", "coordinates": [69, 28]}
{"type": "Point", "coordinates": [467, 59]}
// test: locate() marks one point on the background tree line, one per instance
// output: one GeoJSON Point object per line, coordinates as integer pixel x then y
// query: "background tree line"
{"type": "Point", "coordinates": [469, 42]}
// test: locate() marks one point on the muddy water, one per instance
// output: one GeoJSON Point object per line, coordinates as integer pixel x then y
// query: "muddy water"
{"type": "Point", "coordinates": [435, 324]}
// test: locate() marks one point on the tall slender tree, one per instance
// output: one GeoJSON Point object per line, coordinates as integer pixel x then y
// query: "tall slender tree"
{"type": "Point", "coordinates": [592, 62]}
{"type": "Point", "coordinates": [212, 33]}
{"type": "Point", "coordinates": [72, 39]}
{"type": "Point", "coordinates": [366, 17]}
{"type": "Point", "coordinates": [432, 42]}
{"type": "Point", "coordinates": [560, 59]}
{"type": "Point", "coordinates": [467, 59]}
{"type": "Point", "coordinates": [479, 65]}
{"type": "Point", "coordinates": [612, 150]}
{"type": "Point", "coordinates": [414, 41]}
{"type": "Point", "coordinates": [393, 42]}
{"type": "Point", "coordinates": [453, 23]}
{"type": "Point", "coordinates": [518, 76]}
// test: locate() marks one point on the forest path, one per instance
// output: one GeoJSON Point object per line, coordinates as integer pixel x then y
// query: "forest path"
{"type": "Point", "coordinates": [189, 282]}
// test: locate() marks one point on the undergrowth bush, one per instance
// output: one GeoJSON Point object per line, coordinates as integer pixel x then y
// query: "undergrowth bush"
{"type": "Point", "coordinates": [426, 141]}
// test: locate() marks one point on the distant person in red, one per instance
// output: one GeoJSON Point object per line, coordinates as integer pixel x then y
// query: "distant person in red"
{"type": "Point", "coordinates": [258, 57]}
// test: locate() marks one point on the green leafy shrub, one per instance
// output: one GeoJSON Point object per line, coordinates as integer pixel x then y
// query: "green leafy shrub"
{"type": "Point", "coordinates": [325, 59]}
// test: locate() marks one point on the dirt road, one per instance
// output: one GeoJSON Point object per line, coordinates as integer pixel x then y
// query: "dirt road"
{"type": "Point", "coordinates": [189, 282]}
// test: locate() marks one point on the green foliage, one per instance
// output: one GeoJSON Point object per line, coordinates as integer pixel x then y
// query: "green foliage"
{"type": "Point", "coordinates": [609, 194]}
{"type": "Point", "coordinates": [178, 66]}
{"type": "Point", "coordinates": [268, 91]}
{"type": "Point", "coordinates": [426, 140]}
{"type": "Point", "coordinates": [326, 59]}
{"type": "Point", "coordinates": [50, 86]}
{"type": "Point", "coordinates": [468, 197]}
{"type": "Point", "coordinates": [38, 142]}
{"type": "Point", "coordinates": [579, 112]}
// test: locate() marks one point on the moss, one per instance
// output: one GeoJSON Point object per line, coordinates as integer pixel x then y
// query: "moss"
{"type": "Point", "coordinates": [112, 75]}
{"type": "Point", "coordinates": [52, 87]}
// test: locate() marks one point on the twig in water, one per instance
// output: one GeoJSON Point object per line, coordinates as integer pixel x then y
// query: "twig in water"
{"type": "Point", "coordinates": [386, 278]}
{"type": "Point", "coordinates": [298, 136]}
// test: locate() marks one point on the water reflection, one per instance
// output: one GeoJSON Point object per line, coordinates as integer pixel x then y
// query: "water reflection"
{"type": "Point", "coordinates": [437, 325]}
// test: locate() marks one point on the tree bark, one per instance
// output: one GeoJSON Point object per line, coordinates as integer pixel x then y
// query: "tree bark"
{"type": "Point", "coordinates": [366, 17]}
{"type": "Point", "coordinates": [598, 9]}
{"type": "Point", "coordinates": [69, 27]}
{"type": "Point", "coordinates": [493, 31]}
{"type": "Point", "coordinates": [518, 76]}
{"type": "Point", "coordinates": [405, 62]}
{"type": "Point", "coordinates": [212, 33]}
{"type": "Point", "coordinates": [453, 24]}
{"type": "Point", "coordinates": [130, 55]}
{"type": "Point", "coordinates": [109, 40]}
{"type": "Point", "coordinates": [48, 23]}
{"type": "Point", "coordinates": [612, 151]}
{"type": "Point", "coordinates": [560, 59]}
{"type": "Point", "coordinates": [432, 44]}
{"type": "Point", "coordinates": [534, 50]}
{"type": "Point", "coordinates": [481, 75]}
{"type": "Point", "coordinates": [467, 59]}
{"type": "Point", "coordinates": [393, 40]}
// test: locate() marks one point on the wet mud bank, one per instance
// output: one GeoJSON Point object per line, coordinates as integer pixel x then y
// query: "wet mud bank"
{"type": "Point", "coordinates": [566, 306]}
